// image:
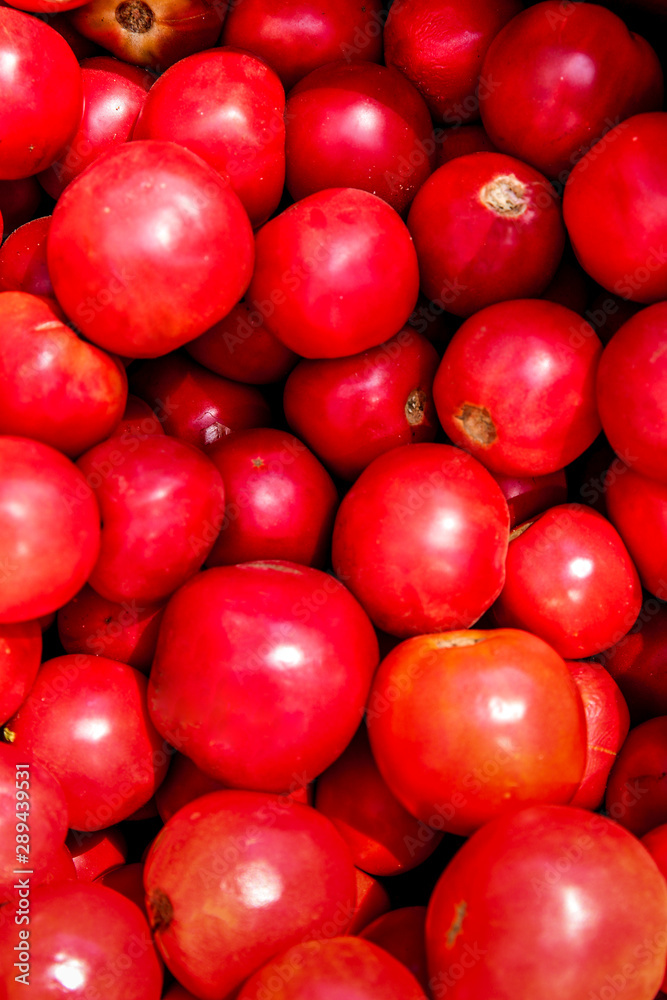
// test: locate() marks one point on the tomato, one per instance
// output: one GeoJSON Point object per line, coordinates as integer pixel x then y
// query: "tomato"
{"type": "Point", "coordinates": [326, 970]}
{"type": "Point", "coordinates": [113, 94]}
{"type": "Point", "coordinates": [96, 853]}
{"type": "Point", "coordinates": [466, 725]}
{"type": "Point", "coordinates": [637, 792]}
{"type": "Point", "coordinates": [296, 36]}
{"type": "Point", "coordinates": [42, 97]}
{"type": "Point", "coordinates": [358, 125]}
{"type": "Point", "coordinates": [461, 140]}
{"type": "Point", "coordinates": [336, 273]}
{"type": "Point", "coordinates": [87, 720]}
{"type": "Point", "coordinates": [128, 880]}
{"type": "Point", "coordinates": [227, 107]}
{"type": "Point", "coordinates": [23, 259]}
{"type": "Point", "coordinates": [292, 635]}
{"type": "Point", "coordinates": [421, 539]}
{"type": "Point", "coordinates": [655, 842]}
{"type": "Point", "coordinates": [637, 508]}
{"type": "Point", "coordinates": [49, 529]}
{"type": "Point", "coordinates": [402, 934]}
{"type": "Point", "coordinates": [440, 47]}
{"type": "Point", "coordinates": [139, 420]}
{"type": "Point", "coordinates": [350, 410]}
{"type": "Point", "coordinates": [562, 75]}
{"type": "Point", "coordinates": [632, 392]}
{"type": "Point", "coordinates": [20, 657]}
{"type": "Point", "coordinates": [372, 901]}
{"type": "Point", "coordinates": [569, 288]}
{"type": "Point", "coordinates": [549, 900]}
{"type": "Point", "coordinates": [19, 202]}
{"type": "Point", "coordinates": [235, 877]}
{"type": "Point", "coordinates": [613, 209]}
{"type": "Point", "coordinates": [570, 580]}
{"type": "Point", "coordinates": [162, 503]}
{"type": "Point", "coordinates": [527, 496]}
{"type": "Point", "coordinates": [516, 387]}
{"type": "Point", "coordinates": [148, 248]}
{"type": "Point", "coordinates": [486, 228]}
{"type": "Point", "coordinates": [637, 661]}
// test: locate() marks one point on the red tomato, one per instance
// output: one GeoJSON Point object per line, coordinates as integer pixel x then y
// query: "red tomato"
{"type": "Point", "coordinates": [20, 657]}
{"type": "Point", "coordinates": [350, 410]}
{"type": "Point", "coordinates": [148, 248]}
{"type": "Point", "coordinates": [49, 530]}
{"type": "Point", "coordinates": [336, 273]}
{"type": "Point", "coordinates": [128, 880]}
{"type": "Point", "coordinates": [162, 503]}
{"type": "Point", "coordinates": [632, 392]}
{"type": "Point", "coordinates": [466, 725]}
{"type": "Point", "coordinates": [372, 901]}
{"type": "Point", "coordinates": [613, 209]}
{"type": "Point", "coordinates": [570, 580]}
{"type": "Point", "coordinates": [637, 663]}
{"type": "Point", "coordinates": [94, 854]}
{"type": "Point", "coordinates": [655, 842]}
{"type": "Point", "coordinates": [139, 420]}
{"type": "Point", "coordinates": [486, 228]}
{"type": "Point", "coordinates": [61, 390]}
{"type": "Point", "coordinates": [358, 125]}
{"type": "Point", "coordinates": [532, 495]}
{"type": "Point", "coordinates": [562, 75]}
{"type": "Point", "coordinates": [569, 288]}
{"type": "Point", "coordinates": [40, 85]}
{"type": "Point", "coordinates": [548, 901]}
{"type": "Point", "coordinates": [296, 36]}
{"type": "Point", "coordinates": [402, 934]}
{"type": "Point", "coordinates": [19, 202]}
{"type": "Point", "coordinates": [421, 539]}
{"type": "Point", "coordinates": [637, 791]}
{"type": "Point", "coordinates": [292, 635]}
{"type": "Point", "coordinates": [227, 107]}
{"type": "Point", "coordinates": [516, 387]}
{"type": "Point", "coordinates": [235, 877]}
{"type": "Point", "coordinates": [23, 259]}
{"type": "Point", "coordinates": [440, 47]}
{"type": "Point", "coordinates": [461, 140]}
{"type": "Point", "coordinates": [62, 869]}
{"type": "Point", "coordinates": [637, 508]}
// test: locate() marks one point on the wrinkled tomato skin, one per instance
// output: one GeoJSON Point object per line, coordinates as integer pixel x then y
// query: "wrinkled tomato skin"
{"type": "Point", "coordinates": [487, 228]}
{"type": "Point", "coordinates": [532, 495]}
{"type": "Point", "coordinates": [148, 248]}
{"type": "Point", "coordinates": [632, 392]}
{"type": "Point", "coordinates": [570, 580]}
{"type": "Point", "coordinates": [465, 697]}
{"type": "Point", "coordinates": [253, 621]}
{"type": "Point", "coordinates": [637, 662]}
{"type": "Point", "coordinates": [562, 78]}
{"type": "Point", "coordinates": [440, 48]}
{"type": "Point", "coordinates": [227, 107]}
{"type": "Point", "coordinates": [637, 790]}
{"type": "Point", "coordinates": [515, 896]}
{"type": "Point", "coordinates": [607, 725]}
{"type": "Point", "coordinates": [350, 410]}
{"type": "Point", "coordinates": [295, 38]}
{"type": "Point", "coordinates": [402, 934]}
{"type": "Point", "coordinates": [336, 273]}
{"type": "Point", "coordinates": [609, 209]}
{"type": "Point", "coordinates": [516, 387]}
{"type": "Point", "coordinates": [23, 265]}
{"type": "Point", "coordinates": [637, 507]}
{"type": "Point", "coordinates": [358, 125]}
{"type": "Point", "coordinates": [436, 501]}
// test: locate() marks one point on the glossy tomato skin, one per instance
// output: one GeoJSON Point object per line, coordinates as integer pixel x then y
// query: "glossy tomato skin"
{"type": "Point", "coordinates": [280, 502]}
{"type": "Point", "coordinates": [153, 33]}
{"type": "Point", "coordinates": [607, 725]}
{"type": "Point", "coordinates": [637, 507]}
{"type": "Point", "coordinates": [460, 141]}
{"type": "Point", "coordinates": [92, 937]}
{"type": "Point", "coordinates": [20, 657]}
{"type": "Point", "coordinates": [516, 387]}
{"type": "Point", "coordinates": [200, 407]}
{"type": "Point", "coordinates": [510, 909]}
{"type": "Point", "coordinates": [355, 124]}
{"type": "Point", "coordinates": [421, 538]}
{"type": "Point", "coordinates": [162, 502]}
{"type": "Point", "coordinates": [632, 392]}
{"type": "Point", "coordinates": [86, 718]}
{"type": "Point", "coordinates": [23, 259]}
{"type": "Point", "coordinates": [227, 107]}
{"type": "Point", "coordinates": [636, 793]}
{"type": "Point", "coordinates": [609, 206]}
{"type": "Point", "coordinates": [295, 38]}
{"type": "Point", "coordinates": [655, 842]}
{"type": "Point", "coordinates": [570, 580]}
{"type": "Point", "coordinates": [562, 79]}
{"type": "Point", "coordinates": [50, 534]}
{"type": "Point", "coordinates": [139, 419]}
{"type": "Point", "coordinates": [382, 836]}
{"type": "Point", "coordinates": [440, 48]}
{"type": "Point", "coordinates": [148, 249]}
{"type": "Point", "coordinates": [531, 495]}
{"type": "Point", "coordinates": [479, 712]}
{"type": "Point", "coordinates": [126, 632]}
{"type": "Point", "coordinates": [61, 390]}
{"type": "Point", "coordinates": [402, 934]}
{"type": "Point", "coordinates": [113, 95]}
{"type": "Point", "coordinates": [637, 661]}
{"type": "Point", "coordinates": [42, 97]}
{"type": "Point", "coordinates": [95, 853]}
{"type": "Point", "coordinates": [487, 228]}
{"type": "Point", "coordinates": [292, 635]}
{"type": "Point", "coordinates": [350, 410]}
{"type": "Point", "coordinates": [324, 970]}
{"type": "Point", "coordinates": [241, 348]}
{"type": "Point", "coordinates": [336, 273]}
{"type": "Point", "coordinates": [235, 877]}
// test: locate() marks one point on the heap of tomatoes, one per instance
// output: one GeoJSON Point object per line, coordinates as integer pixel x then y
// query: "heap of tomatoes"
{"type": "Point", "coordinates": [333, 500]}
